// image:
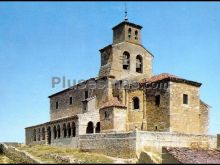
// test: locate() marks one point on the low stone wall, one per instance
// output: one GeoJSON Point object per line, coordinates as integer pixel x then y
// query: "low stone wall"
{"type": "Point", "coordinates": [67, 142]}
{"type": "Point", "coordinates": [18, 156]}
{"type": "Point", "coordinates": [122, 145]}
{"type": "Point", "coordinates": [154, 141]}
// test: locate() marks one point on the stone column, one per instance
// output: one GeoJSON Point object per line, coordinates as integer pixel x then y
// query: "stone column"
{"type": "Point", "coordinates": [218, 141]}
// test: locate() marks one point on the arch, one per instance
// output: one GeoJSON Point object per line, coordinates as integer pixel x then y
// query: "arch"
{"type": "Point", "coordinates": [38, 134]}
{"type": "Point", "coordinates": [43, 133]}
{"type": "Point", "coordinates": [58, 131]}
{"type": "Point", "coordinates": [89, 128]}
{"type": "Point", "coordinates": [126, 60]}
{"type": "Point", "coordinates": [64, 130]}
{"type": "Point", "coordinates": [129, 33]}
{"type": "Point", "coordinates": [136, 34]}
{"type": "Point", "coordinates": [54, 132]}
{"type": "Point", "coordinates": [48, 135]}
{"type": "Point", "coordinates": [97, 128]}
{"type": "Point", "coordinates": [68, 130]}
{"type": "Point", "coordinates": [35, 134]}
{"type": "Point", "coordinates": [73, 129]}
{"type": "Point", "coordinates": [136, 103]}
{"type": "Point", "coordinates": [139, 64]}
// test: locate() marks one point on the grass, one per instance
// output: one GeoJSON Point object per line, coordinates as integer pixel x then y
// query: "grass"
{"type": "Point", "coordinates": [41, 151]}
{"type": "Point", "coordinates": [4, 159]}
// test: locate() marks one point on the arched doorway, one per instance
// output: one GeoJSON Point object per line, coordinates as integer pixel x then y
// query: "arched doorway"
{"type": "Point", "coordinates": [64, 130]}
{"type": "Point", "coordinates": [89, 128]}
{"type": "Point", "coordinates": [73, 129]}
{"type": "Point", "coordinates": [49, 135]}
{"type": "Point", "coordinates": [68, 129]}
{"type": "Point", "coordinates": [54, 132]}
{"type": "Point", "coordinates": [58, 131]}
{"type": "Point", "coordinates": [43, 133]}
{"type": "Point", "coordinates": [97, 128]}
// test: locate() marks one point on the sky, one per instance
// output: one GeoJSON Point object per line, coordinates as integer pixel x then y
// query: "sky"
{"type": "Point", "coordinates": [42, 40]}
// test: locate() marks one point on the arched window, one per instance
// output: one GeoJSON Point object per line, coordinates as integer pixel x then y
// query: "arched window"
{"type": "Point", "coordinates": [54, 132]}
{"type": "Point", "coordinates": [43, 133]}
{"type": "Point", "coordinates": [139, 64]}
{"type": "Point", "coordinates": [136, 35]}
{"type": "Point", "coordinates": [35, 135]}
{"type": "Point", "coordinates": [136, 103]}
{"type": "Point", "coordinates": [68, 129]}
{"type": "Point", "coordinates": [38, 134]}
{"type": "Point", "coordinates": [64, 130]}
{"type": "Point", "coordinates": [129, 33]}
{"type": "Point", "coordinates": [73, 129]}
{"type": "Point", "coordinates": [126, 60]}
{"type": "Point", "coordinates": [58, 131]}
{"type": "Point", "coordinates": [89, 128]}
{"type": "Point", "coordinates": [97, 128]}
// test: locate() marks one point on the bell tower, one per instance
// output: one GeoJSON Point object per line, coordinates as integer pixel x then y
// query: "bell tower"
{"type": "Point", "coordinates": [126, 57]}
{"type": "Point", "coordinates": [126, 31]}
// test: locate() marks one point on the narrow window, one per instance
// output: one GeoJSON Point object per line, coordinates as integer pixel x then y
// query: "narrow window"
{"type": "Point", "coordinates": [139, 64]}
{"type": "Point", "coordinates": [85, 105]}
{"type": "Point", "coordinates": [71, 100]}
{"type": "Point", "coordinates": [185, 99]}
{"type": "Point", "coordinates": [155, 128]}
{"type": "Point", "coordinates": [136, 103]}
{"type": "Point", "coordinates": [86, 94]}
{"type": "Point", "coordinates": [129, 33]}
{"type": "Point", "coordinates": [136, 34]}
{"type": "Point", "coordinates": [106, 115]}
{"type": "Point", "coordinates": [57, 105]}
{"type": "Point", "coordinates": [157, 100]}
{"type": "Point", "coordinates": [126, 60]}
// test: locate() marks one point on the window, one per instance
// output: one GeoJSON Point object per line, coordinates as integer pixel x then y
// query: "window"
{"type": "Point", "coordinates": [86, 94]}
{"type": "Point", "coordinates": [97, 128]}
{"type": "Point", "coordinates": [85, 105]}
{"type": "Point", "coordinates": [185, 99]}
{"type": "Point", "coordinates": [106, 115]}
{"type": "Point", "coordinates": [89, 128]}
{"type": "Point", "coordinates": [139, 64]}
{"type": "Point", "coordinates": [136, 34]}
{"type": "Point", "coordinates": [56, 104]}
{"type": "Point", "coordinates": [136, 104]}
{"type": "Point", "coordinates": [126, 60]}
{"type": "Point", "coordinates": [129, 33]}
{"type": "Point", "coordinates": [157, 100]}
{"type": "Point", "coordinates": [71, 100]}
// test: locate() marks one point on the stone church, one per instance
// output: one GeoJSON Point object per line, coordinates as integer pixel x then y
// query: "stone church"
{"type": "Point", "coordinates": [125, 96]}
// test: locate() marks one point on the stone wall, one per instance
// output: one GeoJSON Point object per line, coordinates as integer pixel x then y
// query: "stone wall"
{"type": "Point", "coordinates": [95, 88]}
{"type": "Point", "coordinates": [204, 118]}
{"type": "Point", "coordinates": [18, 156]}
{"type": "Point", "coordinates": [122, 145]}
{"type": "Point", "coordinates": [158, 117]}
{"type": "Point", "coordinates": [184, 118]}
{"type": "Point", "coordinates": [154, 141]}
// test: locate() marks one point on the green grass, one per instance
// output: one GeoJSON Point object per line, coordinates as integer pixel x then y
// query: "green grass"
{"type": "Point", "coordinates": [40, 152]}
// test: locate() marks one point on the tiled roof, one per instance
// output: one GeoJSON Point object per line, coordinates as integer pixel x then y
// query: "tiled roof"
{"type": "Point", "coordinates": [195, 156]}
{"type": "Point", "coordinates": [114, 102]}
{"type": "Point", "coordinates": [167, 76]}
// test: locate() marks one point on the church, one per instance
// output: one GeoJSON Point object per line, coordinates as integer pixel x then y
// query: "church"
{"type": "Point", "coordinates": [124, 97]}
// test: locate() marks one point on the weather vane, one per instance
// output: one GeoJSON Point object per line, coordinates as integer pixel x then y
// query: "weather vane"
{"type": "Point", "coordinates": [126, 12]}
